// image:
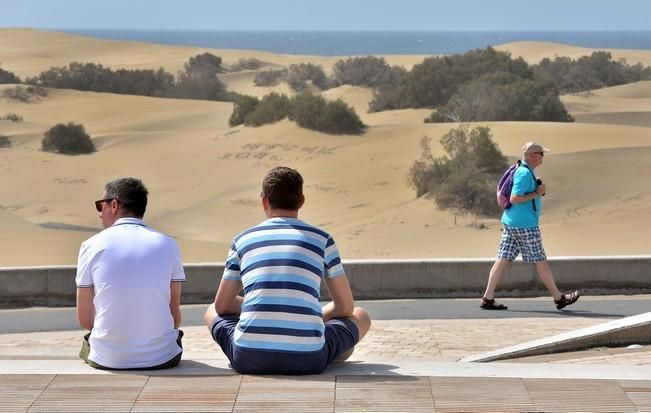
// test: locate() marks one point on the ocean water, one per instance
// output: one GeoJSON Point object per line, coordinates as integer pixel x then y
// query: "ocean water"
{"type": "Point", "coordinates": [351, 43]}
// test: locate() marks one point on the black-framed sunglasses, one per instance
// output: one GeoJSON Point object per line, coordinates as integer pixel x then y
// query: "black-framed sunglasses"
{"type": "Point", "coordinates": [540, 153]}
{"type": "Point", "coordinates": [99, 202]}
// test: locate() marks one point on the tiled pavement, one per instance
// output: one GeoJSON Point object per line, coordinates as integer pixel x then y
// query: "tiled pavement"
{"type": "Point", "coordinates": [236, 393]}
{"type": "Point", "coordinates": [388, 342]}
{"type": "Point", "coordinates": [432, 340]}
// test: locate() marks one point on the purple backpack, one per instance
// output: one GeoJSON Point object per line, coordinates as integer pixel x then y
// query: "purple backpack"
{"type": "Point", "coordinates": [505, 186]}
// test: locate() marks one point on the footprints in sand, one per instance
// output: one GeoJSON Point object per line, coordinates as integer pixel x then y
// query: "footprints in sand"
{"type": "Point", "coordinates": [277, 152]}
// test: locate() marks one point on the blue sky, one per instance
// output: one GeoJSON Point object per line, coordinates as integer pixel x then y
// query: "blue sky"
{"type": "Point", "coordinates": [329, 14]}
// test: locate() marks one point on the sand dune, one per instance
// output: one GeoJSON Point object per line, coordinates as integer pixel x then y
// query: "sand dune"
{"type": "Point", "coordinates": [619, 105]}
{"type": "Point", "coordinates": [204, 176]}
{"type": "Point", "coordinates": [534, 52]}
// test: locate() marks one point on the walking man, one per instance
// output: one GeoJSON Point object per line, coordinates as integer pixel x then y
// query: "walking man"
{"type": "Point", "coordinates": [278, 326]}
{"type": "Point", "coordinates": [521, 233]}
{"type": "Point", "coordinates": [129, 279]}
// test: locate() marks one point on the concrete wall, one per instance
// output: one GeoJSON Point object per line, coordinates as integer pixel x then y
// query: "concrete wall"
{"type": "Point", "coordinates": [373, 279]}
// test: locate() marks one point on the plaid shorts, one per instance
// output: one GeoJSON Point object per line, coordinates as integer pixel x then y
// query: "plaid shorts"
{"type": "Point", "coordinates": [525, 241]}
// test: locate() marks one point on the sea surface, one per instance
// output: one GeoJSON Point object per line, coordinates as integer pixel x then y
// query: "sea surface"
{"type": "Point", "coordinates": [356, 43]}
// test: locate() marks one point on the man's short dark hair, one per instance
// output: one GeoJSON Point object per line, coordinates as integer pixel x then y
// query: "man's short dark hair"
{"type": "Point", "coordinates": [284, 188]}
{"type": "Point", "coordinates": [131, 193]}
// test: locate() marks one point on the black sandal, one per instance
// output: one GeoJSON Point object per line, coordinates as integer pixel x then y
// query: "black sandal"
{"type": "Point", "coordinates": [567, 299]}
{"type": "Point", "coordinates": [490, 304]}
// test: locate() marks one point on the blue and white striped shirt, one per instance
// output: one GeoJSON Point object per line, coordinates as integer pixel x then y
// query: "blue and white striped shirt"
{"type": "Point", "coordinates": [280, 263]}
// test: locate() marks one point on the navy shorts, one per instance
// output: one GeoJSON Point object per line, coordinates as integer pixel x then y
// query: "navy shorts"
{"type": "Point", "coordinates": [340, 336]}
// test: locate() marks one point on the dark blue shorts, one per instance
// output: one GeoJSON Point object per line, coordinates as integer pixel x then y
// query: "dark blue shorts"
{"type": "Point", "coordinates": [340, 336]}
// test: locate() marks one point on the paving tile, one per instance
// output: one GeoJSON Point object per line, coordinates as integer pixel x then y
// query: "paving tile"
{"type": "Point", "coordinates": [578, 396]}
{"type": "Point", "coordinates": [461, 394]}
{"type": "Point", "coordinates": [383, 394]}
{"type": "Point", "coordinates": [639, 392]}
{"type": "Point", "coordinates": [19, 391]}
{"type": "Point", "coordinates": [90, 393]}
{"type": "Point", "coordinates": [286, 394]}
{"type": "Point", "coordinates": [188, 394]}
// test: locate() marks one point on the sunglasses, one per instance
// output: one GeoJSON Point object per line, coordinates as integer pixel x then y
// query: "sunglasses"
{"type": "Point", "coordinates": [99, 203]}
{"type": "Point", "coordinates": [539, 153]}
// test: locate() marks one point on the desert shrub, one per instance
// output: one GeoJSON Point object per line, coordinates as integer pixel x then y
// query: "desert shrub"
{"type": "Point", "coordinates": [97, 78]}
{"type": "Point", "coordinates": [14, 117]}
{"type": "Point", "coordinates": [272, 108]}
{"type": "Point", "coordinates": [434, 81]}
{"type": "Point", "coordinates": [338, 118]}
{"type": "Point", "coordinates": [367, 71]}
{"type": "Point", "coordinates": [385, 97]}
{"type": "Point", "coordinates": [25, 94]}
{"type": "Point", "coordinates": [246, 64]}
{"type": "Point", "coordinates": [8, 77]}
{"type": "Point", "coordinates": [298, 76]}
{"type": "Point", "coordinates": [316, 113]}
{"type": "Point", "coordinates": [270, 77]}
{"type": "Point", "coordinates": [464, 178]}
{"type": "Point", "coordinates": [590, 72]}
{"type": "Point", "coordinates": [70, 139]}
{"type": "Point", "coordinates": [242, 108]}
{"type": "Point", "coordinates": [199, 79]}
{"type": "Point", "coordinates": [4, 141]}
{"type": "Point", "coordinates": [503, 96]}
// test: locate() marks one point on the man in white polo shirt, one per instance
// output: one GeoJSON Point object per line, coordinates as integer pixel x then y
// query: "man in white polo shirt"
{"type": "Point", "coordinates": [129, 286]}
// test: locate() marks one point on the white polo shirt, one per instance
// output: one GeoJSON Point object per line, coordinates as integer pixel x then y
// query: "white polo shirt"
{"type": "Point", "coordinates": [131, 267]}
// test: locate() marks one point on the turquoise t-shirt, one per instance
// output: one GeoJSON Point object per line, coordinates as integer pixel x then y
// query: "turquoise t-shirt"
{"type": "Point", "coordinates": [522, 215]}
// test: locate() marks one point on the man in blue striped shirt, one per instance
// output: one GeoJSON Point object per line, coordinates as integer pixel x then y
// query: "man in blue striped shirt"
{"type": "Point", "coordinates": [278, 326]}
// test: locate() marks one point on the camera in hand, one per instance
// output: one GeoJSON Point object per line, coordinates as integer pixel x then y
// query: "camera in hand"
{"type": "Point", "coordinates": [539, 182]}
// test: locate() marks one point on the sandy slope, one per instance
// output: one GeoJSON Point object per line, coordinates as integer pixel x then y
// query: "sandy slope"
{"type": "Point", "coordinates": [204, 176]}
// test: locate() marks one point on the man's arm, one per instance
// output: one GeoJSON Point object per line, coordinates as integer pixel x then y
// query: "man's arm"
{"type": "Point", "coordinates": [342, 304]}
{"type": "Point", "coordinates": [85, 307]}
{"type": "Point", "coordinates": [227, 299]}
{"type": "Point", "coordinates": [520, 182]}
{"type": "Point", "coordinates": [518, 199]}
{"type": "Point", "coordinates": [175, 302]}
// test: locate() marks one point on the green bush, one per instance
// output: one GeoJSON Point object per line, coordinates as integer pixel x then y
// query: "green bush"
{"type": "Point", "coordinates": [242, 108]}
{"type": "Point", "coordinates": [385, 97]}
{"type": "Point", "coordinates": [25, 94]}
{"type": "Point", "coordinates": [97, 78]}
{"type": "Point", "coordinates": [4, 141]}
{"type": "Point", "coordinates": [503, 96]}
{"type": "Point", "coordinates": [199, 79]}
{"type": "Point", "coordinates": [14, 117]}
{"type": "Point", "coordinates": [246, 64]}
{"type": "Point", "coordinates": [367, 71]}
{"type": "Point", "coordinates": [316, 113]}
{"type": "Point", "coordinates": [340, 119]}
{"type": "Point", "coordinates": [465, 178]}
{"type": "Point", "coordinates": [590, 72]}
{"type": "Point", "coordinates": [270, 77]}
{"type": "Point", "coordinates": [272, 108]}
{"type": "Point", "coordinates": [300, 74]}
{"type": "Point", "coordinates": [8, 77]}
{"type": "Point", "coordinates": [306, 110]}
{"type": "Point", "coordinates": [70, 139]}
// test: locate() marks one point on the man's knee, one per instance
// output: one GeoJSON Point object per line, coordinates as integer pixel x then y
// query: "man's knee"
{"type": "Point", "coordinates": [362, 320]}
{"type": "Point", "coordinates": [209, 315]}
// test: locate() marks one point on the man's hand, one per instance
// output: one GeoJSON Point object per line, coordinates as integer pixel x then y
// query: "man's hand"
{"type": "Point", "coordinates": [541, 189]}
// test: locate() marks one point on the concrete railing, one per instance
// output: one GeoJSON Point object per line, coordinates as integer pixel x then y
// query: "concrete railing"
{"type": "Point", "coordinates": [373, 279]}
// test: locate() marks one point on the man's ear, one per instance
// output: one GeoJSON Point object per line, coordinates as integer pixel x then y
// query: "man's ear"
{"type": "Point", "coordinates": [115, 206]}
{"type": "Point", "coordinates": [265, 202]}
{"type": "Point", "coordinates": [302, 202]}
